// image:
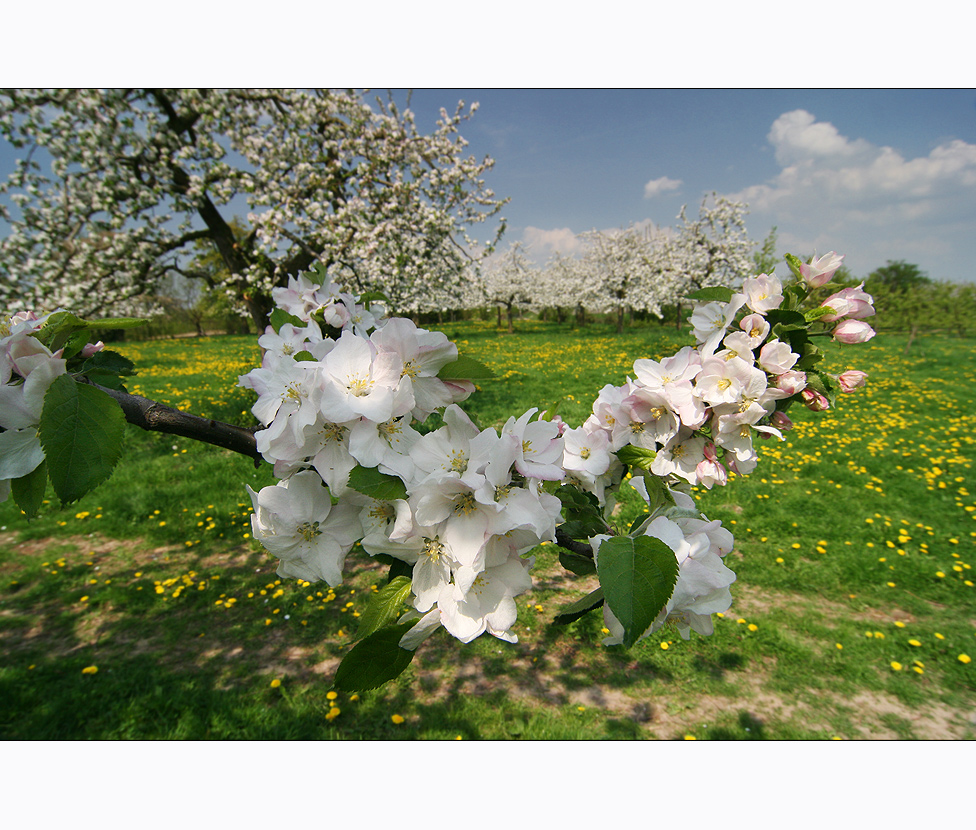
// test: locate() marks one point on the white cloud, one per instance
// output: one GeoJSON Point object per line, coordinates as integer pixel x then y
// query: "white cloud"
{"type": "Point", "coordinates": [849, 195]}
{"type": "Point", "coordinates": [657, 186]}
{"type": "Point", "coordinates": [541, 244]}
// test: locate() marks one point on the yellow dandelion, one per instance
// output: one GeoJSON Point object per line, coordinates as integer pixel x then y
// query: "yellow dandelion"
{"type": "Point", "coordinates": [94, 669]}
{"type": "Point", "coordinates": [964, 659]}
{"type": "Point", "coordinates": [896, 665]}
{"type": "Point", "coordinates": [398, 719]}
{"type": "Point", "coordinates": [665, 646]}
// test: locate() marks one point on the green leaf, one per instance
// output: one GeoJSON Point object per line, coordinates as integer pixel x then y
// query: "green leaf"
{"type": "Point", "coordinates": [715, 294]}
{"type": "Point", "coordinates": [59, 327]}
{"type": "Point", "coordinates": [371, 297]}
{"type": "Point", "coordinates": [636, 456]}
{"type": "Point", "coordinates": [658, 494]}
{"type": "Point", "coordinates": [583, 527]}
{"type": "Point", "coordinates": [81, 431]}
{"type": "Point", "coordinates": [582, 511]}
{"type": "Point", "coordinates": [794, 263]}
{"type": "Point", "coordinates": [580, 608]}
{"type": "Point", "coordinates": [784, 320]}
{"type": "Point", "coordinates": [638, 578]}
{"type": "Point", "coordinates": [552, 410]}
{"type": "Point", "coordinates": [577, 563]}
{"type": "Point", "coordinates": [75, 342]}
{"type": "Point", "coordinates": [63, 329]}
{"type": "Point", "coordinates": [280, 317]}
{"type": "Point", "coordinates": [28, 491]}
{"type": "Point", "coordinates": [374, 661]}
{"type": "Point", "coordinates": [793, 296]}
{"type": "Point", "coordinates": [817, 313]}
{"type": "Point", "coordinates": [810, 355]}
{"type": "Point", "coordinates": [384, 606]}
{"type": "Point", "coordinates": [304, 356]}
{"type": "Point", "coordinates": [371, 482]}
{"type": "Point", "coordinates": [465, 368]}
{"type": "Point", "coordinates": [107, 368]}
{"type": "Point", "coordinates": [574, 498]}
{"type": "Point", "coordinates": [113, 323]}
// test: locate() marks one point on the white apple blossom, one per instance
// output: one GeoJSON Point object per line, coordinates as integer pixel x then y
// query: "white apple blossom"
{"type": "Point", "coordinates": [297, 522]}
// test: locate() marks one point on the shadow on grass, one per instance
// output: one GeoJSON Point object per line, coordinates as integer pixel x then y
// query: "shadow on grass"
{"type": "Point", "coordinates": [193, 667]}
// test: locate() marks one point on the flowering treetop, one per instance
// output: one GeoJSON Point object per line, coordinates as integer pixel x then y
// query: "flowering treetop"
{"type": "Point", "coordinates": [454, 509]}
{"type": "Point", "coordinates": [138, 176]}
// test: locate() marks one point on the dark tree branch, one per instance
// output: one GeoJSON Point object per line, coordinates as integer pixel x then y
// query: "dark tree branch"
{"type": "Point", "coordinates": [156, 417]}
{"type": "Point", "coordinates": [570, 544]}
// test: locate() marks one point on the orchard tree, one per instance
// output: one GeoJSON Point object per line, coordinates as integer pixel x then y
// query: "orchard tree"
{"type": "Point", "coordinates": [621, 271]}
{"type": "Point", "coordinates": [897, 275]}
{"type": "Point", "coordinates": [712, 250]}
{"type": "Point", "coordinates": [510, 280]}
{"type": "Point", "coordinates": [116, 186]}
{"type": "Point", "coordinates": [563, 285]}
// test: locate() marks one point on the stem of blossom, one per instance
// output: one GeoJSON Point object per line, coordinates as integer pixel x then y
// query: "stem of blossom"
{"type": "Point", "coordinates": [566, 541]}
{"type": "Point", "coordinates": [156, 417]}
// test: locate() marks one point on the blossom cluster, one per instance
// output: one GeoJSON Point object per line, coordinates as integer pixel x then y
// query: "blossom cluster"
{"type": "Point", "coordinates": [471, 502]}
{"type": "Point", "coordinates": [468, 504]}
{"type": "Point", "coordinates": [698, 411]}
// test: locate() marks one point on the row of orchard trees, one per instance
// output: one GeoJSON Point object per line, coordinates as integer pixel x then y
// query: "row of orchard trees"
{"type": "Point", "coordinates": [631, 269]}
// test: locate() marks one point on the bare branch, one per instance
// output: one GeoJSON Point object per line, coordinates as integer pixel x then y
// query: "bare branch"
{"type": "Point", "coordinates": [156, 417]}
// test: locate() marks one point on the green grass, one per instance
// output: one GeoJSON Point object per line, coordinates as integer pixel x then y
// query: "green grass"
{"type": "Point", "coordinates": [153, 579]}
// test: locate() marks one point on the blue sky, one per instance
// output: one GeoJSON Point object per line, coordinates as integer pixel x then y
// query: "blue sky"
{"type": "Point", "coordinates": [875, 175]}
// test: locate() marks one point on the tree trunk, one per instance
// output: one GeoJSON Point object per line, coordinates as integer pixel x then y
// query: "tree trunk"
{"type": "Point", "coordinates": [511, 328]}
{"type": "Point", "coordinates": [911, 338]}
{"type": "Point", "coordinates": [259, 307]}
{"type": "Point", "coordinates": [499, 315]}
{"type": "Point", "coordinates": [620, 320]}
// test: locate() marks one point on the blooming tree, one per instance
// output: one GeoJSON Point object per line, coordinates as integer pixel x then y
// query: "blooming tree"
{"type": "Point", "coordinates": [456, 510]}
{"type": "Point", "coordinates": [621, 270]}
{"type": "Point", "coordinates": [510, 279]}
{"type": "Point", "coordinates": [117, 185]}
{"type": "Point", "coordinates": [713, 249]}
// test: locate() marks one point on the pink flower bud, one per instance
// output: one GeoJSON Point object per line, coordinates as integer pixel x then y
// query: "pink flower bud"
{"type": "Point", "coordinates": [710, 473]}
{"type": "Point", "coordinates": [814, 401]}
{"type": "Point", "coordinates": [709, 451]}
{"type": "Point", "coordinates": [781, 420]}
{"type": "Point", "coordinates": [853, 331]}
{"type": "Point", "coordinates": [851, 302]}
{"type": "Point", "coordinates": [560, 424]}
{"type": "Point", "coordinates": [851, 380]}
{"type": "Point", "coordinates": [791, 382]}
{"type": "Point", "coordinates": [90, 349]}
{"type": "Point", "coordinates": [821, 269]}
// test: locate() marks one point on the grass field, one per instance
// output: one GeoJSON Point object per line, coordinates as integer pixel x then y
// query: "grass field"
{"type": "Point", "coordinates": [854, 614]}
